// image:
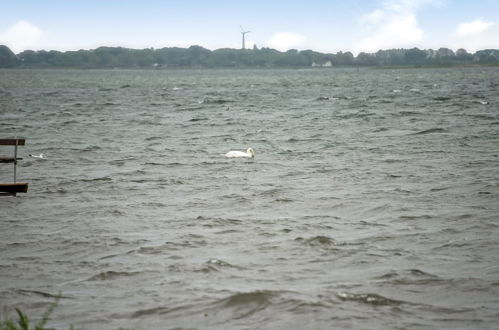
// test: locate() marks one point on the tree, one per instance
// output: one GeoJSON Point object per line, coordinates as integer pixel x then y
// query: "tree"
{"type": "Point", "coordinates": [463, 56]}
{"type": "Point", "coordinates": [197, 56]}
{"type": "Point", "coordinates": [487, 56]}
{"type": "Point", "coordinates": [366, 59]}
{"type": "Point", "coordinates": [343, 59]}
{"type": "Point", "coordinates": [415, 56]}
{"type": "Point", "coordinates": [7, 58]}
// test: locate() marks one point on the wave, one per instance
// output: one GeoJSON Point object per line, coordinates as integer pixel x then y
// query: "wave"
{"type": "Point", "coordinates": [150, 250]}
{"type": "Point", "coordinates": [104, 178]}
{"type": "Point", "coordinates": [182, 107]}
{"type": "Point", "coordinates": [272, 192]}
{"type": "Point", "coordinates": [216, 265]}
{"type": "Point", "coordinates": [409, 277]}
{"type": "Point", "coordinates": [408, 113]}
{"type": "Point", "coordinates": [359, 114]}
{"type": "Point", "coordinates": [369, 298]}
{"type": "Point", "coordinates": [253, 301]}
{"type": "Point", "coordinates": [218, 222]}
{"type": "Point", "coordinates": [152, 311]}
{"type": "Point", "coordinates": [483, 116]}
{"type": "Point", "coordinates": [51, 93]}
{"type": "Point", "coordinates": [170, 246]}
{"type": "Point", "coordinates": [198, 119]}
{"type": "Point", "coordinates": [153, 138]}
{"type": "Point", "coordinates": [392, 160]}
{"type": "Point", "coordinates": [415, 217]}
{"type": "Point", "coordinates": [235, 197]}
{"type": "Point", "coordinates": [108, 104]}
{"type": "Point", "coordinates": [442, 98]}
{"type": "Point", "coordinates": [431, 131]}
{"type": "Point", "coordinates": [91, 148]}
{"type": "Point", "coordinates": [235, 307]}
{"type": "Point", "coordinates": [317, 241]}
{"type": "Point", "coordinates": [241, 304]}
{"type": "Point", "coordinates": [208, 100]}
{"type": "Point", "coordinates": [111, 275]}
{"type": "Point", "coordinates": [158, 104]}
{"type": "Point", "coordinates": [70, 122]}
{"type": "Point", "coordinates": [42, 294]}
{"type": "Point", "coordinates": [61, 191]}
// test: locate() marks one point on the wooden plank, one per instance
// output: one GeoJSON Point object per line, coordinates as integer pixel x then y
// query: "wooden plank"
{"type": "Point", "coordinates": [12, 142]}
{"type": "Point", "coordinates": [12, 188]}
{"type": "Point", "coordinates": [8, 159]}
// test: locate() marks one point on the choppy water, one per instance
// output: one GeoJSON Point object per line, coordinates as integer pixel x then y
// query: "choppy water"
{"type": "Point", "coordinates": [372, 202]}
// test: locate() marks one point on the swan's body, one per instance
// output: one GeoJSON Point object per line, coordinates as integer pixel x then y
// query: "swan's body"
{"type": "Point", "coordinates": [36, 156]}
{"type": "Point", "coordinates": [250, 153]}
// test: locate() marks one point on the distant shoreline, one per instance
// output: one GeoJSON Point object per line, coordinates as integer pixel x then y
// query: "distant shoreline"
{"type": "Point", "coordinates": [197, 57]}
{"type": "Point", "coordinates": [336, 68]}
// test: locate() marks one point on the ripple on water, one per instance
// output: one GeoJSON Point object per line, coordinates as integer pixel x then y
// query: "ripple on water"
{"type": "Point", "coordinates": [111, 275]}
{"type": "Point", "coordinates": [410, 277]}
{"type": "Point", "coordinates": [369, 298]}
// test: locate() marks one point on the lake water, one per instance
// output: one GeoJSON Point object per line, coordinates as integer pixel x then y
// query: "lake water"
{"type": "Point", "coordinates": [372, 202]}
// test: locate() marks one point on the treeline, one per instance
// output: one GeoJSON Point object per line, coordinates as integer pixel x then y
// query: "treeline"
{"type": "Point", "coordinates": [196, 56]}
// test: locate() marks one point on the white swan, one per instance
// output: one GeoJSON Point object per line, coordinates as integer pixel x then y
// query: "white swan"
{"type": "Point", "coordinates": [36, 156]}
{"type": "Point", "coordinates": [250, 153]}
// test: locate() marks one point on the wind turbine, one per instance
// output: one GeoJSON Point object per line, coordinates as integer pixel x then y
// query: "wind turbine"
{"type": "Point", "coordinates": [244, 33]}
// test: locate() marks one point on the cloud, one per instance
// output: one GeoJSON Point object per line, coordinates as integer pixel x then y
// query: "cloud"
{"type": "Point", "coordinates": [393, 32]}
{"type": "Point", "coordinates": [410, 6]}
{"type": "Point", "coordinates": [372, 18]}
{"type": "Point", "coordinates": [477, 35]}
{"type": "Point", "coordinates": [395, 25]}
{"type": "Point", "coordinates": [286, 40]}
{"type": "Point", "coordinates": [473, 28]}
{"type": "Point", "coordinates": [21, 36]}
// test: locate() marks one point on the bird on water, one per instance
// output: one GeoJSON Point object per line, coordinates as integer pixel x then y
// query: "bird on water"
{"type": "Point", "coordinates": [37, 156]}
{"type": "Point", "coordinates": [250, 153]}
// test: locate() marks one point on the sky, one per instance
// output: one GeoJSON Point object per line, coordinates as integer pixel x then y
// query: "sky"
{"type": "Point", "coordinates": [322, 25]}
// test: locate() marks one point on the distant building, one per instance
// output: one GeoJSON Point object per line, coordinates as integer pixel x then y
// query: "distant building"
{"type": "Point", "coordinates": [326, 64]}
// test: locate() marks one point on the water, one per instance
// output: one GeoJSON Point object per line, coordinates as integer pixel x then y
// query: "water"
{"type": "Point", "coordinates": [372, 202]}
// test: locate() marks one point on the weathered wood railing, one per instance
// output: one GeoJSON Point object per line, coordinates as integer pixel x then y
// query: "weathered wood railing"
{"type": "Point", "coordinates": [15, 187]}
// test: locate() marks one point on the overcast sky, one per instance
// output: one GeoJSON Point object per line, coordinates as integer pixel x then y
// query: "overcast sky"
{"type": "Point", "coordinates": [322, 25]}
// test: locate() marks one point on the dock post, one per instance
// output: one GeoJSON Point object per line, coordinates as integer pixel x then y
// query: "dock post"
{"type": "Point", "coordinates": [15, 161]}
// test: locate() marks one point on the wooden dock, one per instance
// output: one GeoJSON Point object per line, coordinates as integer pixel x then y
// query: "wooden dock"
{"type": "Point", "coordinates": [12, 188]}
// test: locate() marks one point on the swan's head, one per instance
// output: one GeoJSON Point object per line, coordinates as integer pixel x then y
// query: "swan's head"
{"type": "Point", "coordinates": [251, 152]}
